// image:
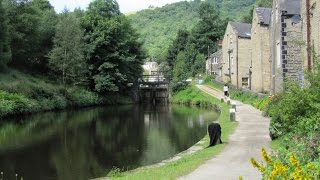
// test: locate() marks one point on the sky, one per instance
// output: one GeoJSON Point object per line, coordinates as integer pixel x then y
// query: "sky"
{"type": "Point", "coordinates": [125, 5]}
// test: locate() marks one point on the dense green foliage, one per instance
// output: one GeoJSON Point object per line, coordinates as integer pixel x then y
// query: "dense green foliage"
{"type": "Point", "coordinates": [186, 56]}
{"type": "Point", "coordinates": [67, 58]}
{"type": "Point", "coordinates": [22, 93]}
{"type": "Point", "coordinates": [295, 118]}
{"type": "Point", "coordinates": [158, 27]}
{"type": "Point", "coordinates": [31, 26]}
{"type": "Point", "coordinates": [5, 52]}
{"type": "Point", "coordinates": [115, 54]}
{"type": "Point", "coordinates": [84, 54]}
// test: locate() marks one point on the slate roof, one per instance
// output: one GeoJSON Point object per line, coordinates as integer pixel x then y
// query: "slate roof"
{"type": "Point", "coordinates": [243, 29]}
{"type": "Point", "coordinates": [264, 15]}
{"type": "Point", "coordinates": [292, 7]}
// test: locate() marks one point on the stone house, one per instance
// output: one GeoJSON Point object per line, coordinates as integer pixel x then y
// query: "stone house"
{"type": "Point", "coordinates": [213, 64]}
{"type": "Point", "coordinates": [310, 12]}
{"type": "Point", "coordinates": [236, 56]}
{"type": "Point", "coordinates": [286, 43]}
{"type": "Point", "coordinates": [260, 49]}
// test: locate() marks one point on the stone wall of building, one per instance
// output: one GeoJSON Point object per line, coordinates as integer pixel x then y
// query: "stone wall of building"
{"type": "Point", "coordinates": [244, 62]}
{"type": "Point", "coordinates": [213, 63]}
{"type": "Point", "coordinates": [261, 57]}
{"type": "Point", "coordinates": [229, 51]}
{"type": "Point", "coordinates": [286, 46]}
{"type": "Point", "coordinates": [314, 28]}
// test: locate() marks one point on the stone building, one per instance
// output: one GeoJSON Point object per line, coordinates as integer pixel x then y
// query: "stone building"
{"type": "Point", "coordinates": [236, 56]}
{"type": "Point", "coordinates": [213, 64]}
{"type": "Point", "coordinates": [260, 50]}
{"type": "Point", "coordinates": [286, 43]}
{"type": "Point", "coordinates": [310, 12]}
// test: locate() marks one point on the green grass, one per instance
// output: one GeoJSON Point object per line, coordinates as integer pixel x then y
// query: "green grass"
{"type": "Point", "coordinates": [187, 163]}
{"type": "Point", "coordinates": [276, 144]}
{"type": "Point", "coordinates": [244, 96]}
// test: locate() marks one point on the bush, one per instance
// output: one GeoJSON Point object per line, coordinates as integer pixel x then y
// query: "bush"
{"type": "Point", "coordinates": [11, 103]}
{"type": "Point", "coordinates": [289, 167]}
{"type": "Point", "coordinates": [178, 86]}
{"type": "Point", "coordinates": [81, 97]}
{"type": "Point", "coordinates": [288, 108]}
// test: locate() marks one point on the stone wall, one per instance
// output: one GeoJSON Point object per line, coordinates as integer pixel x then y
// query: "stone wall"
{"type": "Point", "coordinates": [229, 51]}
{"type": "Point", "coordinates": [261, 56]}
{"type": "Point", "coordinates": [314, 29]}
{"type": "Point", "coordinates": [286, 47]}
{"type": "Point", "coordinates": [244, 62]}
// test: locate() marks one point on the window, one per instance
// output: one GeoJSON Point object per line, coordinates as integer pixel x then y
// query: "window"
{"type": "Point", "coordinates": [215, 60]}
{"type": "Point", "coordinates": [245, 82]}
{"type": "Point", "coordinates": [230, 39]}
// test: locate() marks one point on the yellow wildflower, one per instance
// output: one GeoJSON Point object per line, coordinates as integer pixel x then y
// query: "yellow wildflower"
{"type": "Point", "coordinates": [257, 165]}
{"type": "Point", "coordinates": [265, 156]}
{"type": "Point", "coordinates": [294, 161]}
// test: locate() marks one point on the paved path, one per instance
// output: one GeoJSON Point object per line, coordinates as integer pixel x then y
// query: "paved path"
{"type": "Point", "coordinates": [246, 142]}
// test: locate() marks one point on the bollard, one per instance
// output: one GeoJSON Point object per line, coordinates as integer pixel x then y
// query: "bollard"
{"type": "Point", "coordinates": [228, 101]}
{"type": "Point", "coordinates": [234, 106]}
{"type": "Point", "coordinates": [232, 115]}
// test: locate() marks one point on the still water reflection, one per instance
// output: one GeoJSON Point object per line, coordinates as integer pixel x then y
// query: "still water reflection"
{"type": "Point", "coordinates": [87, 143]}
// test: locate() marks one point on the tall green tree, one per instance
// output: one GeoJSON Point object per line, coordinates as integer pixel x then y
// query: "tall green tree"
{"type": "Point", "coordinates": [5, 52]}
{"type": "Point", "coordinates": [179, 70]}
{"type": "Point", "coordinates": [32, 30]}
{"type": "Point", "coordinates": [67, 58]}
{"type": "Point", "coordinates": [199, 64]}
{"type": "Point", "coordinates": [178, 45]}
{"type": "Point", "coordinates": [209, 29]}
{"type": "Point", "coordinates": [115, 54]}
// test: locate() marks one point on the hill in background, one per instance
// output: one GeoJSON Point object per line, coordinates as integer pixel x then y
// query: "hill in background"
{"type": "Point", "coordinates": [158, 27]}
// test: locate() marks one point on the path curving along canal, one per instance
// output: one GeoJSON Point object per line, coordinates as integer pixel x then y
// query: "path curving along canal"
{"type": "Point", "coordinates": [246, 142]}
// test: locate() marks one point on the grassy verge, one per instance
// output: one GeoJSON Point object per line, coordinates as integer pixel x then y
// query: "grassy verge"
{"type": "Point", "coordinates": [21, 93]}
{"type": "Point", "coordinates": [244, 96]}
{"type": "Point", "coordinates": [188, 163]}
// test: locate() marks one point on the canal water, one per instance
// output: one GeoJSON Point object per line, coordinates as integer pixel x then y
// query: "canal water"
{"type": "Point", "coordinates": [88, 143]}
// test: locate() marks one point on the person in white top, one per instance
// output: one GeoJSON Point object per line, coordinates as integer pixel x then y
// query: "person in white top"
{"type": "Point", "coordinates": [226, 90]}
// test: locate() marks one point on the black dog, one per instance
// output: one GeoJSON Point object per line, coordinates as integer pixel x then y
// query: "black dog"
{"type": "Point", "coordinates": [214, 130]}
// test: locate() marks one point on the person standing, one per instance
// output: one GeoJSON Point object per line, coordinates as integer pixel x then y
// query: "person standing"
{"type": "Point", "coordinates": [226, 90]}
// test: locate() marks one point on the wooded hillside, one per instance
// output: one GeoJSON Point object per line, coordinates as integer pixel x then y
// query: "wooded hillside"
{"type": "Point", "coordinates": [158, 27]}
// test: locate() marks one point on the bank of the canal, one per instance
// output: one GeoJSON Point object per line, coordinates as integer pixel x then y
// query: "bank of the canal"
{"type": "Point", "coordinates": [187, 162]}
{"type": "Point", "coordinates": [21, 94]}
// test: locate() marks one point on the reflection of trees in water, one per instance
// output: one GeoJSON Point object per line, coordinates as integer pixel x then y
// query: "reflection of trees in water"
{"type": "Point", "coordinates": [87, 143]}
{"type": "Point", "coordinates": [79, 145]}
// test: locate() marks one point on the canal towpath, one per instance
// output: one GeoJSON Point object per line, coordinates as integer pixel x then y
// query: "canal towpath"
{"type": "Point", "coordinates": [245, 143]}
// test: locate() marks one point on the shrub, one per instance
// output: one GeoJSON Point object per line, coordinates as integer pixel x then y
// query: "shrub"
{"type": "Point", "coordinates": [82, 97]}
{"type": "Point", "coordinates": [178, 86]}
{"type": "Point", "coordinates": [11, 103]}
{"type": "Point", "coordinates": [286, 168]}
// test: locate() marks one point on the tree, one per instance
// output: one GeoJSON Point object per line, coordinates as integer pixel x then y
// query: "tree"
{"type": "Point", "coordinates": [67, 58]}
{"type": "Point", "coordinates": [199, 64]}
{"type": "Point", "coordinates": [209, 29]}
{"type": "Point", "coordinates": [32, 30]}
{"type": "Point", "coordinates": [5, 52]}
{"type": "Point", "coordinates": [178, 45]}
{"type": "Point", "coordinates": [179, 71]}
{"type": "Point", "coordinates": [115, 54]}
